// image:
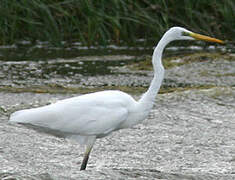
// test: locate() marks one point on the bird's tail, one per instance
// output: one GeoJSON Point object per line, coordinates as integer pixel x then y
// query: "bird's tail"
{"type": "Point", "coordinates": [33, 115]}
{"type": "Point", "coordinates": [19, 116]}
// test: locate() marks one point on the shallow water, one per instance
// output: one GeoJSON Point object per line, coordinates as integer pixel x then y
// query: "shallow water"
{"type": "Point", "coordinates": [59, 71]}
{"type": "Point", "coordinates": [190, 134]}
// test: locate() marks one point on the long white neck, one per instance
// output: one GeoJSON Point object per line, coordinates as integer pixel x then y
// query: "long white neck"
{"type": "Point", "coordinates": [149, 96]}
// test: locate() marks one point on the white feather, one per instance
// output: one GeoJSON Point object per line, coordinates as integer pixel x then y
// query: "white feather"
{"type": "Point", "coordinates": [95, 114]}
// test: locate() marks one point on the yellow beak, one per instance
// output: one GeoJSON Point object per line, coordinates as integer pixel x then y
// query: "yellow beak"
{"type": "Point", "coordinates": [205, 38]}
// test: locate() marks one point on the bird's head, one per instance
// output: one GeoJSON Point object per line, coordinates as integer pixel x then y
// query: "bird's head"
{"type": "Point", "coordinates": [179, 33]}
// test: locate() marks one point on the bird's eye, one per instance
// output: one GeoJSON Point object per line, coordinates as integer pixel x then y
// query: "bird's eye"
{"type": "Point", "coordinates": [185, 33]}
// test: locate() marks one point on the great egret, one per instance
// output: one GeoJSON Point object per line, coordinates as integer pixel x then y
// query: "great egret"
{"type": "Point", "coordinates": [88, 117]}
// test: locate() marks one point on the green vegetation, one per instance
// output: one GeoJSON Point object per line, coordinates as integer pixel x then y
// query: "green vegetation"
{"type": "Point", "coordinates": [112, 21]}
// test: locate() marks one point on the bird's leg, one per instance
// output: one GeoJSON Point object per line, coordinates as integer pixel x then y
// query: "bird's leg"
{"type": "Point", "coordinates": [86, 157]}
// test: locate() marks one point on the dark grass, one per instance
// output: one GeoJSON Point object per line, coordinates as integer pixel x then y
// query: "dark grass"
{"type": "Point", "coordinates": [111, 21]}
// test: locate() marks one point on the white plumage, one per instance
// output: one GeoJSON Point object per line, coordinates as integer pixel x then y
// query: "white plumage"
{"type": "Point", "coordinates": [87, 117]}
{"type": "Point", "coordinates": [96, 114]}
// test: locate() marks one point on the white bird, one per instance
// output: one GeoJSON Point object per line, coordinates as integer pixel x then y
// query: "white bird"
{"type": "Point", "coordinates": [88, 117]}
